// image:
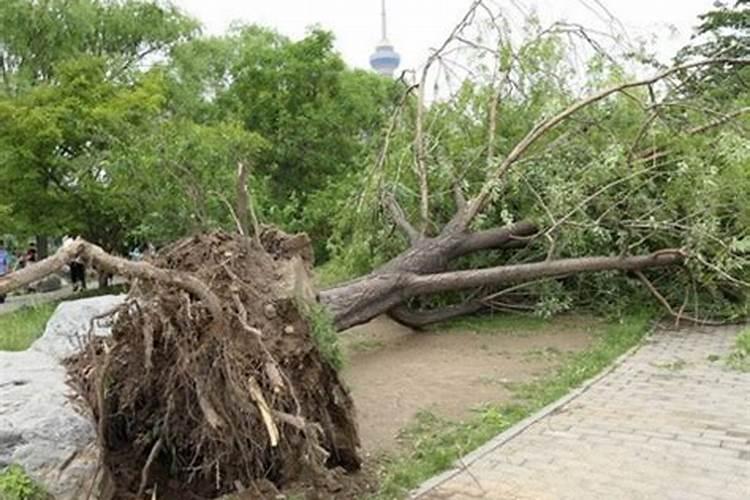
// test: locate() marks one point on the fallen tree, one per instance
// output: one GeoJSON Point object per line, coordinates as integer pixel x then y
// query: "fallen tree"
{"type": "Point", "coordinates": [215, 373]}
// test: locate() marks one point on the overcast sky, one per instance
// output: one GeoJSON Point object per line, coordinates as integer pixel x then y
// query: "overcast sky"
{"type": "Point", "coordinates": [414, 26]}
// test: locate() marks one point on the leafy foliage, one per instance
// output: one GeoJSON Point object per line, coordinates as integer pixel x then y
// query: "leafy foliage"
{"type": "Point", "coordinates": [723, 31]}
{"type": "Point", "coordinates": [15, 484]}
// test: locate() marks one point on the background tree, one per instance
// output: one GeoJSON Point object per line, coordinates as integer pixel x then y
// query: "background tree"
{"type": "Point", "coordinates": [320, 119]}
{"type": "Point", "coordinates": [722, 32]}
{"type": "Point", "coordinates": [72, 87]}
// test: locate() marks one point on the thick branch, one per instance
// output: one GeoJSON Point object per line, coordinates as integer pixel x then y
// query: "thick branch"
{"type": "Point", "coordinates": [478, 202]}
{"type": "Point", "coordinates": [39, 270]}
{"type": "Point", "coordinates": [462, 280]}
{"type": "Point", "coordinates": [500, 237]}
{"type": "Point", "coordinates": [399, 217]}
{"type": "Point", "coordinates": [359, 301]}
{"type": "Point", "coordinates": [114, 265]}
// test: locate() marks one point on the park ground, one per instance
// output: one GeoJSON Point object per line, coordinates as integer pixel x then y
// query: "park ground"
{"type": "Point", "coordinates": [425, 399]}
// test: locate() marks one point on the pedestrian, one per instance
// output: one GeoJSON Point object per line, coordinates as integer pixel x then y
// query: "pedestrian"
{"type": "Point", "coordinates": [78, 274]}
{"type": "Point", "coordinates": [4, 264]}
{"type": "Point", "coordinates": [30, 256]}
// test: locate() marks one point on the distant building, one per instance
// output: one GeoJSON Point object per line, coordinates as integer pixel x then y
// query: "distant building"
{"type": "Point", "coordinates": [385, 59]}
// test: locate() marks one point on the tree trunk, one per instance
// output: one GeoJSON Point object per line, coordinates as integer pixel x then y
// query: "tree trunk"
{"type": "Point", "coordinates": [42, 247]}
{"type": "Point", "coordinates": [421, 270]}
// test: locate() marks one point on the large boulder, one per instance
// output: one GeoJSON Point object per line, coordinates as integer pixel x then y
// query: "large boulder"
{"type": "Point", "coordinates": [40, 427]}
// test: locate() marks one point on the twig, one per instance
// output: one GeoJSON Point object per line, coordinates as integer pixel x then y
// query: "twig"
{"type": "Point", "coordinates": [146, 468]}
{"type": "Point", "coordinates": [242, 199]}
{"type": "Point", "coordinates": [663, 301]}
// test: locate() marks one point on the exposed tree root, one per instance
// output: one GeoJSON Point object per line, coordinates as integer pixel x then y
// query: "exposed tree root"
{"type": "Point", "coordinates": [191, 409]}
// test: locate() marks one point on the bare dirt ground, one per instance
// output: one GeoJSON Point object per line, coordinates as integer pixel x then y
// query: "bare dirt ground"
{"type": "Point", "coordinates": [394, 373]}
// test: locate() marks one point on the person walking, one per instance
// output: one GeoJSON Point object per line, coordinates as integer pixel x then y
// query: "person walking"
{"type": "Point", "coordinates": [4, 264]}
{"type": "Point", "coordinates": [78, 274]}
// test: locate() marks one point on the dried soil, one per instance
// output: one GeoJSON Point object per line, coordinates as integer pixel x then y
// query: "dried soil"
{"type": "Point", "coordinates": [394, 372]}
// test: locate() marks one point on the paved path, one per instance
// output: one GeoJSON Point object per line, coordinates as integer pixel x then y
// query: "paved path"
{"type": "Point", "coordinates": [666, 423]}
{"type": "Point", "coordinates": [15, 302]}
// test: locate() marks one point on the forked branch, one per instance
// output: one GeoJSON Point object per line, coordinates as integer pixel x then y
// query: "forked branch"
{"type": "Point", "coordinates": [678, 316]}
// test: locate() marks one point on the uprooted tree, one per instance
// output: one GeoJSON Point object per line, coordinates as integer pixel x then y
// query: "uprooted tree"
{"type": "Point", "coordinates": [518, 186]}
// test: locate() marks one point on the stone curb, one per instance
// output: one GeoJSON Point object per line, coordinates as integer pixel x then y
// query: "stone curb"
{"type": "Point", "coordinates": [464, 462]}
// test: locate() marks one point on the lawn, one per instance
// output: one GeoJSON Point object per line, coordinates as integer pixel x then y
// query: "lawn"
{"type": "Point", "coordinates": [18, 329]}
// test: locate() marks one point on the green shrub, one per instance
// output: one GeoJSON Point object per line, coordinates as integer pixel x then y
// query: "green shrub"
{"type": "Point", "coordinates": [15, 484]}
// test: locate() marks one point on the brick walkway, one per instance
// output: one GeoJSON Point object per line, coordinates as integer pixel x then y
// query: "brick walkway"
{"type": "Point", "coordinates": [666, 423]}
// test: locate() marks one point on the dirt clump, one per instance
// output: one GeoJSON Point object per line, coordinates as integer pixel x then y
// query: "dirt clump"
{"type": "Point", "coordinates": [188, 405]}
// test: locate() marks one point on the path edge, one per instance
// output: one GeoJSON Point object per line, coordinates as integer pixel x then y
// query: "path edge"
{"type": "Point", "coordinates": [509, 434]}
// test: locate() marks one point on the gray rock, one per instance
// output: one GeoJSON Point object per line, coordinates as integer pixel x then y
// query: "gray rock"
{"type": "Point", "coordinates": [69, 326]}
{"type": "Point", "coordinates": [40, 428]}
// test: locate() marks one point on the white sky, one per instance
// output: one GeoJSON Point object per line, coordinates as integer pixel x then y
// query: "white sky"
{"type": "Point", "coordinates": [414, 26]}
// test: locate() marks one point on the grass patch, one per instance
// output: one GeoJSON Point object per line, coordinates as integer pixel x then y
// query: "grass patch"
{"type": "Point", "coordinates": [739, 359]}
{"type": "Point", "coordinates": [18, 329]}
{"type": "Point", "coordinates": [324, 334]}
{"type": "Point", "coordinates": [15, 484]}
{"type": "Point", "coordinates": [436, 443]}
{"type": "Point", "coordinates": [506, 324]}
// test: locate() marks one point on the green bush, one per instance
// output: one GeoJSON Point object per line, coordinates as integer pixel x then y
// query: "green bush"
{"type": "Point", "coordinates": [15, 484]}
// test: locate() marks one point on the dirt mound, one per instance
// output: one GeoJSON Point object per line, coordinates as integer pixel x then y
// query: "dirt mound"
{"type": "Point", "coordinates": [194, 406]}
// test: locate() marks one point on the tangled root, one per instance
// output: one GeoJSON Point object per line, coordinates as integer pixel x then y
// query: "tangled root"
{"type": "Point", "coordinates": [193, 410]}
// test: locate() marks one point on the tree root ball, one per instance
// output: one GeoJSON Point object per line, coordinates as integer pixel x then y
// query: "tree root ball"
{"type": "Point", "coordinates": [187, 409]}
